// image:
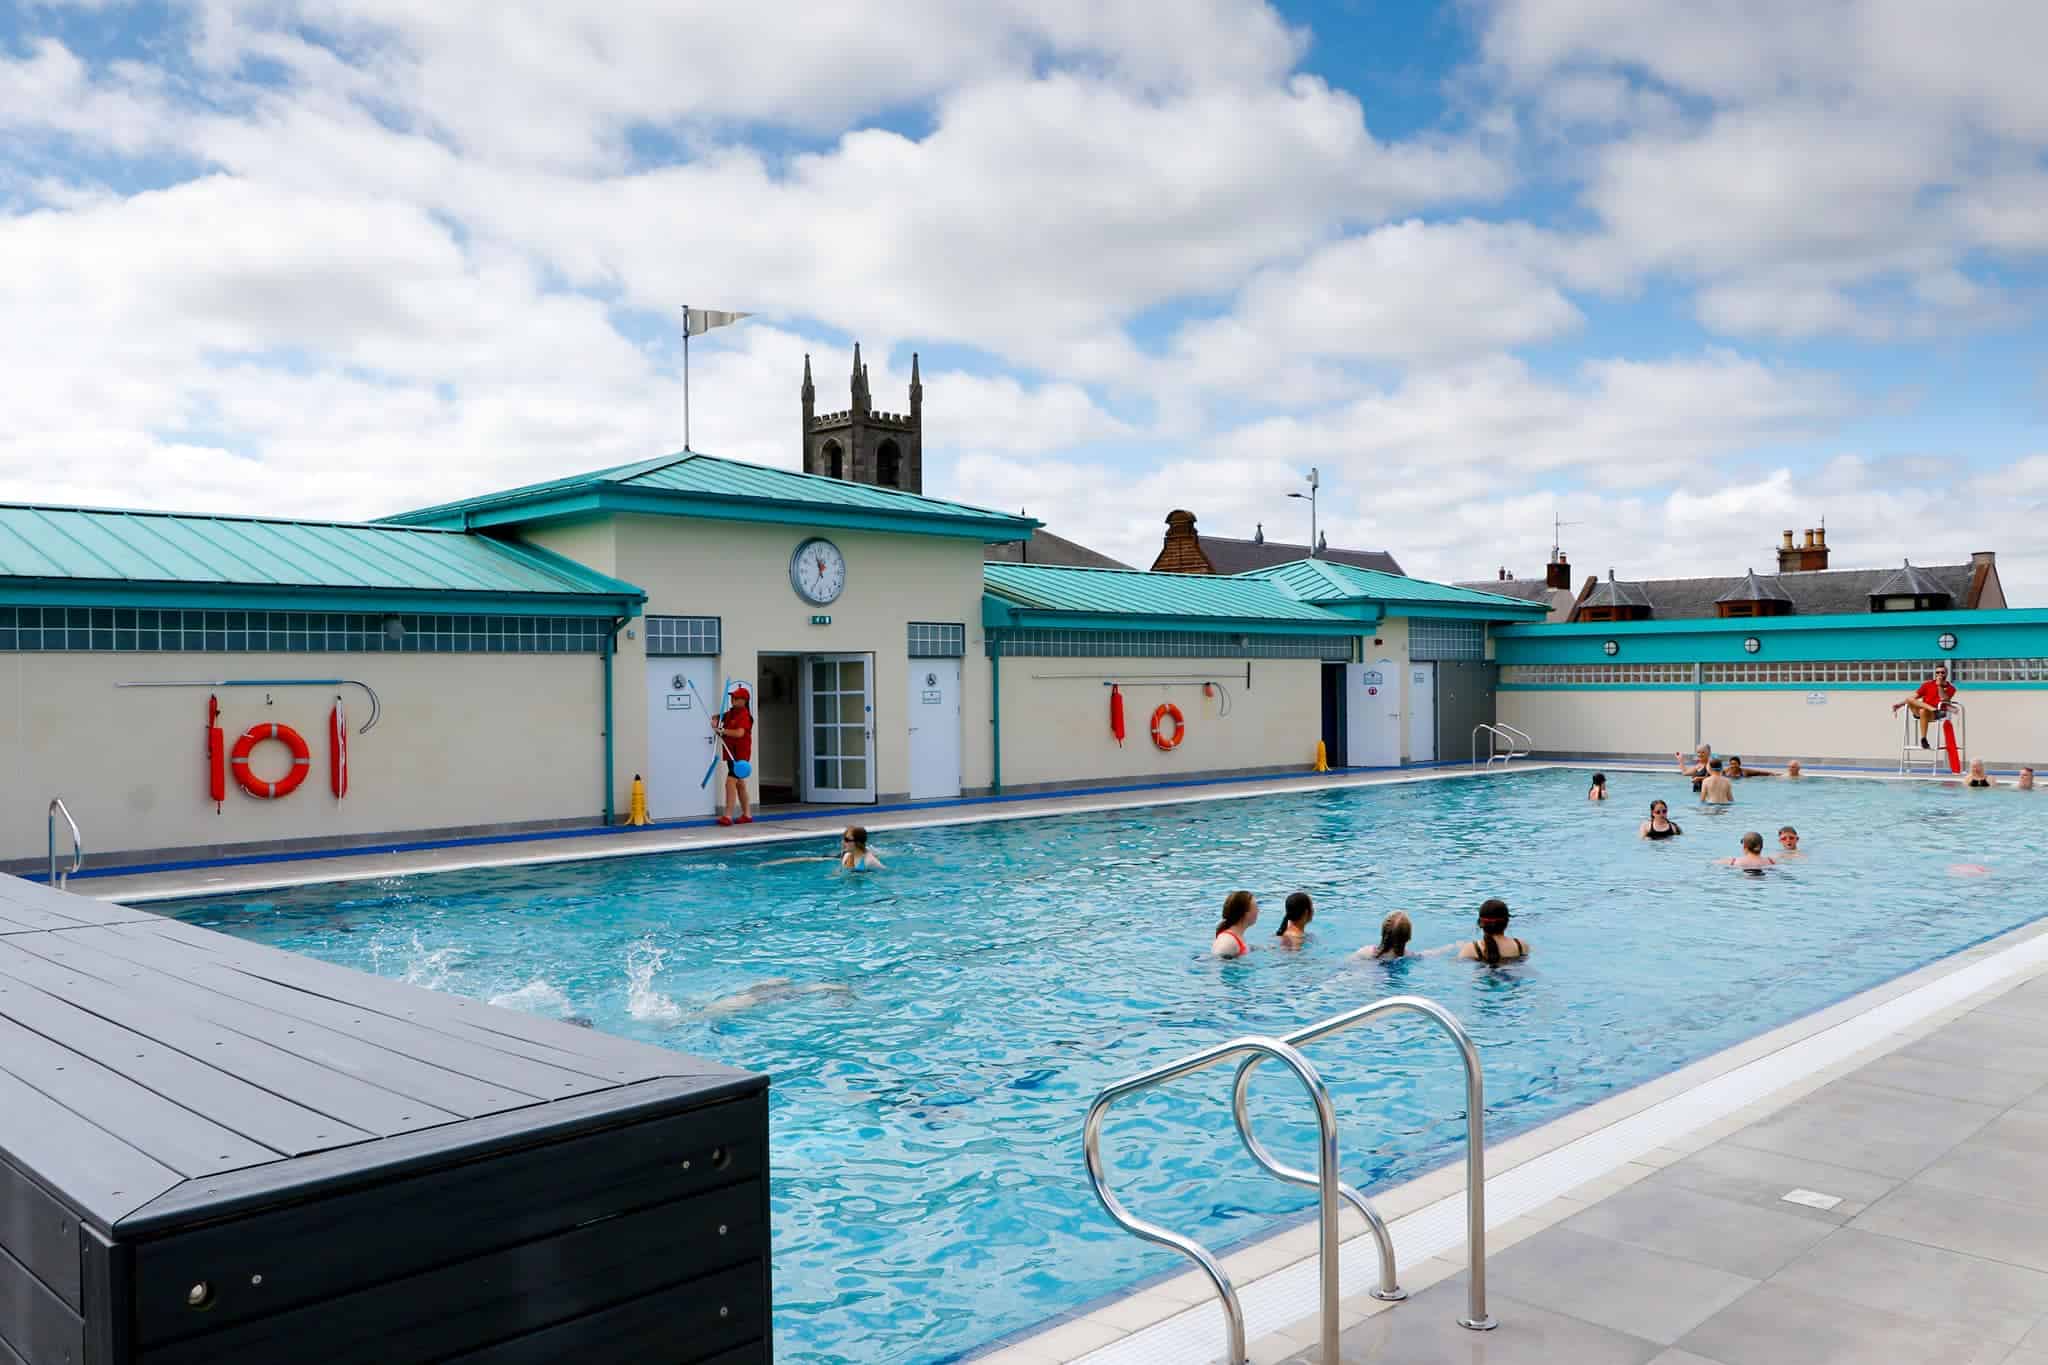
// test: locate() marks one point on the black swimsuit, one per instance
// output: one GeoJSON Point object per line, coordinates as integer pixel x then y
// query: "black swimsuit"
{"type": "Point", "coordinates": [1655, 833]}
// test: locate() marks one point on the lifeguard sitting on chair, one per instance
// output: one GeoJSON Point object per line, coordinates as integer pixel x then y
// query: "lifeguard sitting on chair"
{"type": "Point", "coordinates": [1930, 701]}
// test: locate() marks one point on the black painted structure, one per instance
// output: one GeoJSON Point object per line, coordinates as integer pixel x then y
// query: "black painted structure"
{"type": "Point", "coordinates": [215, 1151]}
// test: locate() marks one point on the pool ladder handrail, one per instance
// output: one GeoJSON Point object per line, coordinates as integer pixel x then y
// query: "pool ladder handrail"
{"type": "Point", "coordinates": [1520, 745]}
{"type": "Point", "coordinates": [57, 807]}
{"type": "Point", "coordinates": [1287, 1049]}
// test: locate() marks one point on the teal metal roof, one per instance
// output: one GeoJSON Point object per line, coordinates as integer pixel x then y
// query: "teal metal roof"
{"type": "Point", "coordinates": [90, 552]}
{"type": "Point", "coordinates": [1042, 594]}
{"type": "Point", "coordinates": [1328, 584]}
{"type": "Point", "coordinates": [692, 485]}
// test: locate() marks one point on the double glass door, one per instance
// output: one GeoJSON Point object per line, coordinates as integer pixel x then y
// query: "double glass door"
{"type": "Point", "coordinates": [839, 727]}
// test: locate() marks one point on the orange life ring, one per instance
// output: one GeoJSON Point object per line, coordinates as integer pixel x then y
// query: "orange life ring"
{"type": "Point", "coordinates": [302, 760]}
{"type": "Point", "coordinates": [1180, 726]}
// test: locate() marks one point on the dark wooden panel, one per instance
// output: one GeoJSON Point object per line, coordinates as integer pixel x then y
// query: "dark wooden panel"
{"type": "Point", "coordinates": [686, 1324]}
{"type": "Point", "coordinates": [328, 1050]}
{"type": "Point", "coordinates": [492, 1297]}
{"type": "Point", "coordinates": [40, 1233]}
{"type": "Point", "coordinates": [97, 1173]}
{"type": "Point", "coordinates": [8, 1355]}
{"type": "Point", "coordinates": [175, 1136]}
{"type": "Point", "coordinates": [332, 1244]}
{"type": "Point", "coordinates": [34, 1321]}
{"type": "Point", "coordinates": [236, 1105]}
{"type": "Point", "coordinates": [359, 1104]}
{"type": "Point", "coordinates": [108, 1272]}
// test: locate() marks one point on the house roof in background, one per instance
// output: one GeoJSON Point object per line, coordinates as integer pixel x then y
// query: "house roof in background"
{"type": "Point", "coordinates": [1557, 600]}
{"type": "Point", "coordinates": [1752, 588]}
{"type": "Point", "coordinates": [1228, 555]}
{"type": "Point", "coordinates": [694, 485]}
{"type": "Point", "coordinates": [1819, 592]}
{"type": "Point", "coordinates": [1914, 582]}
{"type": "Point", "coordinates": [95, 551]}
{"type": "Point", "coordinates": [1046, 548]}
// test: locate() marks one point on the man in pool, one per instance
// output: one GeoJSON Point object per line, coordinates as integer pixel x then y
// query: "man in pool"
{"type": "Point", "coordinates": [1788, 839]}
{"type": "Point", "coordinates": [736, 729]}
{"type": "Point", "coordinates": [1716, 789]}
{"type": "Point", "coordinates": [1752, 857]}
{"type": "Point", "coordinates": [2026, 782]}
{"type": "Point", "coordinates": [1792, 769]}
{"type": "Point", "coordinates": [1930, 701]}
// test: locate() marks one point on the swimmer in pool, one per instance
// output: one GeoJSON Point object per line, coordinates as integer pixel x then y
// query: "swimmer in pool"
{"type": "Point", "coordinates": [1293, 931]}
{"type": "Point", "coordinates": [1752, 856]}
{"type": "Point", "coordinates": [1788, 840]}
{"type": "Point", "coordinates": [1659, 825]}
{"type": "Point", "coordinates": [1737, 770]}
{"type": "Point", "coordinates": [1395, 931]}
{"type": "Point", "coordinates": [771, 990]}
{"type": "Point", "coordinates": [1598, 791]}
{"type": "Point", "coordinates": [1493, 946]}
{"type": "Point", "coordinates": [1240, 912]}
{"type": "Point", "coordinates": [1978, 777]}
{"type": "Point", "coordinates": [1696, 766]}
{"type": "Point", "coordinates": [2026, 782]}
{"type": "Point", "coordinates": [1792, 770]}
{"type": "Point", "coordinates": [1715, 789]}
{"type": "Point", "coordinates": [854, 853]}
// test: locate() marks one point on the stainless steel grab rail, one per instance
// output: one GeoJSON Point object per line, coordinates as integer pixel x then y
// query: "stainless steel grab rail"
{"type": "Point", "coordinates": [1499, 732]}
{"type": "Point", "coordinates": [1476, 1318]}
{"type": "Point", "coordinates": [1327, 1182]}
{"type": "Point", "coordinates": [57, 807]}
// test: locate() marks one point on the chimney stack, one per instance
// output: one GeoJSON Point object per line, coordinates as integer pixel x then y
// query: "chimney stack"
{"type": "Point", "coordinates": [1558, 573]}
{"type": "Point", "coordinates": [1788, 541]}
{"type": "Point", "coordinates": [1808, 557]}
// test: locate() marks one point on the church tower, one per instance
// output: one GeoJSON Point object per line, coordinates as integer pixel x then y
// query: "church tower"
{"type": "Point", "coordinates": [861, 445]}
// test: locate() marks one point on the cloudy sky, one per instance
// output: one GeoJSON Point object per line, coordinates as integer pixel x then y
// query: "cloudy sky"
{"type": "Point", "coordinates": [1681, 272]}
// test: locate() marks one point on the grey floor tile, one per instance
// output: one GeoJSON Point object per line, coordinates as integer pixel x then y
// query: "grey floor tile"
{"type": "Point", "coordinates": [2019, 1357]}
{"type": "Point", "coordinates": [2019, 1130]}
{"type": "Point", "coordinates": [1986, 1298]}
{"type": "Point", "coordinates": [1674, 1356]}
{"type": "Point", "coordinates": [1869, 1127]}
{"type": "Point", "coordinates": [2008, 1170]}
{"type": "Point", "coordinates": [1751, 1175]}
{"type": "Point", "coordinates": [1985, 1039]}
{"type": "Point", "coordinates": [2037, 1340]}
{"type": "Point", "coordinates": [1739, 1238]}
{"type": "Point", "coordinates": [1614, 1284]}
{"type": "Point", "coordinates": [1775, 1326]}
{"type": "Point", "coordinates": [1425, 1331]}
{"type": "Point", "coordinates": [1990, 1228]}
{"type": "Point", "coordinates": [1951, 1078]}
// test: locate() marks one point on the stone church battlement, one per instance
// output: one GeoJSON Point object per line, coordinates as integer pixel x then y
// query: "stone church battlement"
{"type": "Point", "coordinates": [861, 445]}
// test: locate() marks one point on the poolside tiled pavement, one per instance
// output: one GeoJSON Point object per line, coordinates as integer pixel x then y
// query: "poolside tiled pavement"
{"type": "Point", "coordinates": [1937, 1254]}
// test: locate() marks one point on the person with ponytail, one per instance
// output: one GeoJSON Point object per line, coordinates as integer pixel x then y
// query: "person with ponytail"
{"type": "Point", "coordinates": [1493, 946]}
{"type": "Point", "coordinates": [1293, 931]}
{"type": "Point", "coordinates": [1240, 912]}
{"type": "Point", "coordinates": [1395, 931]}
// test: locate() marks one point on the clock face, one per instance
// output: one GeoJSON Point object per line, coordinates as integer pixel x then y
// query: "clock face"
{"type": "Point", "coordinates": [818, 571]}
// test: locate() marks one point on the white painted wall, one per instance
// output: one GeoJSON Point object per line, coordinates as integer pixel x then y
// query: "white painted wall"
{"type": "Point", "coordinates": [1591, 721]}
{"type": "Point", "coordinates": [1056, 729]}
{"type": "Point", "coordinates": [465, 740]}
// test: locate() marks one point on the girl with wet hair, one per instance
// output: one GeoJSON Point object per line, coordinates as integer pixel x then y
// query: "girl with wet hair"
{"type": "Point", "coordinates": [1659, 825]}
{"type": "Point", "coordinates": [1493, 946]}
{"type": "Point", "coordinates": [1395, 931]}
{"type": "Point", "coordinates": [1240, 912]}
{"type": "Point", "coordinates": [1294, 929]}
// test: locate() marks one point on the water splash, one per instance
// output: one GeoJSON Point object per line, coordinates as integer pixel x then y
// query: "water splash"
{"type": "Point", "coordinates": [643, 1001]}
{"type": "Point", "coordinates": [419, 965]}
{"type": "Point", "coordinates": [537, 996]}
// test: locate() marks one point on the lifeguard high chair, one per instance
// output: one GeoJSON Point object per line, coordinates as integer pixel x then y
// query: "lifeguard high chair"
{"type": "Point", "coordinates": [1934, 759]}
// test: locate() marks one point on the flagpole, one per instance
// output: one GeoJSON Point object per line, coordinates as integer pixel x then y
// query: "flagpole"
{"type": "Point", "coordinates": [686, 377]}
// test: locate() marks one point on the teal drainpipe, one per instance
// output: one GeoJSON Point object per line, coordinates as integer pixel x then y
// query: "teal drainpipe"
{"type": "Point", "coordinates": [609, 647]}
{"type": "Point", "coordinates": [995, 712]}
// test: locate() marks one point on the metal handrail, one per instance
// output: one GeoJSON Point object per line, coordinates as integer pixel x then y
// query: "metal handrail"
{"type": "Point", "coordinates": [57, 807]}
{"type": "Point", "coordinates": [1476, 1318]}
{"type": "Point", "coordinates": [1499, 732]}
{"type": "Point", "coordinates": [1910, 750]}
{"type": "Point", "coordinates": [1327, 1182]}
{"type": "Point", "coordinates": [1513, 734]}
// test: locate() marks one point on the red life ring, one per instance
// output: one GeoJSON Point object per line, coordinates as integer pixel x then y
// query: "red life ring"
{"type": "Point", "coordinates": [302, 760]}
{"type": "Point", "coordinates": [1180, 726]}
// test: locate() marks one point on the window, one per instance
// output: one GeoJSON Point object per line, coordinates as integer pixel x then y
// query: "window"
{"type": "Point", "coordinates": [156, 631]}
{"type": "Point", "coordinates": [1053, 643]}
{"type": "Point", "coordinates": [937, 640]}
{"type": "Point", "coordinates": [833, 457]}
{"type": "Point", "coordinates": [681, 636]}
{"type": "Point", "coordinates": [1434, 639]}
{"type": "Point", "coordinates": [889, 465]}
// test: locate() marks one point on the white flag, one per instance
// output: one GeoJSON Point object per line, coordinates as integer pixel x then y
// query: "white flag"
{"type": "Point", "coordinates": [698, 321]}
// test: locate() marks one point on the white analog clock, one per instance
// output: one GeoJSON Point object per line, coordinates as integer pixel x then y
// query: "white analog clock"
{"type": "Point", "coordinates": [818, 571]}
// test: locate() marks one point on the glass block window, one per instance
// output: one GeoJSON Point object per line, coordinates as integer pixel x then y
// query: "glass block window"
{"type": "Point", "coordinates": [1164, 644]}
{"type": "Point", "coordinates": [936, 640]}
{"type": "Point", "coordinates": [130, 630]}
{"type": "Point", "coordinates": [1596, 675]}
{"type": "Point", "coordinates": [1901, 672]}
{"type": "Point", "coordinates": [1433, 639]}
{"type": "Point", "coordinates": [679, 636]}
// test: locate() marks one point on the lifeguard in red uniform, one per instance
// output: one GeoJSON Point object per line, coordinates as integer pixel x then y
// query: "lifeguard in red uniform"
{"type": "Point", "coordinates": [736, 728]}
{"type": "Point", "coordinates": [1930, 701]}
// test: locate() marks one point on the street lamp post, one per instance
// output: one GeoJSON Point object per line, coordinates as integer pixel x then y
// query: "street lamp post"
{"type": "Point", "coordinates": [1315, 481]}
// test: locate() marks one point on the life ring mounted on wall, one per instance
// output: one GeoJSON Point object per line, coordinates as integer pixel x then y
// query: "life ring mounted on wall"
{"type": "Point", "coordinates": [302, 760]}
{"type": "Point", "coordinates": [1168, 711]}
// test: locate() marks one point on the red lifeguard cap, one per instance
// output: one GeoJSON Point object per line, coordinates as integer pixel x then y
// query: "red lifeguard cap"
{"type": "Point", "coordinates": [741, 694]}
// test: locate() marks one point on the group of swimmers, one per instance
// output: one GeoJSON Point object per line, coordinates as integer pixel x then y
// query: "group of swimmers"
{"type": "Point", "coordinates": [1493, 946]}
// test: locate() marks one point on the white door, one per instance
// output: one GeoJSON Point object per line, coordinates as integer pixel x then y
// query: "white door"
{"type": "Point", "coordinates": [1374, 712]}
{"type": "Point", "coordinates": [682, 706]}
{"type": "Point", "coordinates": [1422, 713]}
{"type": "Point", "coordinates": [934, 712]}
{"type": "Point", "coordinates": [839, 728]}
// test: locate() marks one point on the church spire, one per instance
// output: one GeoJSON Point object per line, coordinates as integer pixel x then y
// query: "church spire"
{"type": "Point", "coordinates": [860, 382]}
{"type": "Point", "coordinates": [810, 391]}
{"type": "Point", "coordinates": [916, 392]}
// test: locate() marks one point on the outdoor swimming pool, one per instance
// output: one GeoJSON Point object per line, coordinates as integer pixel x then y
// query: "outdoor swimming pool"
{"type": "Point", "coordinates": [962, 1008]}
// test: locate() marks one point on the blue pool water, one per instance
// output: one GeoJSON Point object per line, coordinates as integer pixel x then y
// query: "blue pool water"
{"type": "Point", "coordinates": [959, 1010]}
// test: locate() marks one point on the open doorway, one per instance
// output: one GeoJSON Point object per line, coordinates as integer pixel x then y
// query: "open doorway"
{"type": "Point", "coordinates": [776, 729]}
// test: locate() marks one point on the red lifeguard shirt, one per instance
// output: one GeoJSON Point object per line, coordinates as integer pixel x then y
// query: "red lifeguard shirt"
{"type": "Point", "coordinates": [1934, 693]}
{"type": "Point", "coordinates": [741, 719]}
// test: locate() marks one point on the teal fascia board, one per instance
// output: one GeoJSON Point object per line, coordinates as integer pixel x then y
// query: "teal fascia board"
{"type": "Point", "coordinates": [1990, 634]}
{"type": "Point", "coordinates": [236, 597]}
{"type": "Point", "coordinates": [646, 502]}
{"type": "Point", "coordinates": [997, 614]}
{"type": "Point", "coordinates": [1452, 611]}
{"type": "Point", "coordinates": [1365, 613]}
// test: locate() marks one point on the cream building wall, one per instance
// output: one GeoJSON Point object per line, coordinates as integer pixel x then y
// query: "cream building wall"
{"type": "Point", "coordinates": [465, 741]}
{"type": "Point", "coordinates": [1601, 721]}
{"type": "Point", "coordinates": [739, 572]}
{"type": "Point", "coordinates": [1055, 716]}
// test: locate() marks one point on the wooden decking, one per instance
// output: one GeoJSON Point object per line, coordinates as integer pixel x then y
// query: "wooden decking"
{"type": "Point", "coordinates": [212, 1150]}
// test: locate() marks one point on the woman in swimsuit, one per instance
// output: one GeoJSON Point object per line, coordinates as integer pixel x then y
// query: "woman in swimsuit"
{"type": "Point", "coordinates": [1598, 791]}
{"type": "Point", "coordinates": [1659, 825]}
{"type": "Point", "coordinates": [1240, 912]}
{"type": "Point", "coordinates": [1493, 946]}
{"type": "Point", "coordinates": [1978, 778]}
{"type": "Point", "coordinates": [1293, 931]}
{"type": "Point", "coordinates": [854, 853]}
{"type": "Point", "coordinates": [1395, 931]}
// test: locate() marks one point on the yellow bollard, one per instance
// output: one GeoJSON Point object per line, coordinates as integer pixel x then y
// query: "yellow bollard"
{"type": "Point", "coordinates": [638, 814]}
{"type": "Point", "coordinates": [1322, 758]}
